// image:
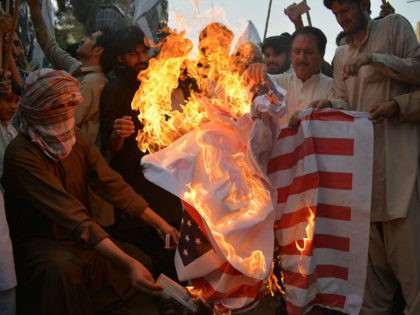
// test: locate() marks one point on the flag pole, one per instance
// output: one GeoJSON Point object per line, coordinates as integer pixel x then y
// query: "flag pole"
{"type": "Point", "coordinates": [7, 7]}
{"type": "Point", "coordinates": [268, 18]}
{"type": "Point", "coordinates": [308, 17]}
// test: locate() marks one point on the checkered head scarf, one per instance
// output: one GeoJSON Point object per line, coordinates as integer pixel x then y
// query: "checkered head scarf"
{"type": "Point", "coordinates": [47, 108]}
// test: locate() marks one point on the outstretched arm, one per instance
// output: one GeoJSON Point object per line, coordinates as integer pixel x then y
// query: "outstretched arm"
{"type": "Point", "coordinates": [58, 57]}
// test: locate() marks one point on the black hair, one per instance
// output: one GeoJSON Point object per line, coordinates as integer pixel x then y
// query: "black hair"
{"type": "Point", "coordinates": [316, 32]}
{"type": "Point", "coordinates": [328, 3]}
{"type": "Point", "coordinates": [72, 49]}
{"type": "Point", "coordinates": [280, 44]}
{"type": "Point", "coordinates": [16, 88]}
{"type": "Point", "coordinates": [105, 40]}
{"type": "Point", "coordinates": [127, 39]}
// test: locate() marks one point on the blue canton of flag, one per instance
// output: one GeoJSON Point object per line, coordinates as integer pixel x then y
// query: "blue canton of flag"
{"type": "Point", "coordinates": [192, 243]}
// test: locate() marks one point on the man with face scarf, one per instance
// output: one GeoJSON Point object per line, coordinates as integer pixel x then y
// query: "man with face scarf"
{"type": "Point", "coordinates": [65, 262]}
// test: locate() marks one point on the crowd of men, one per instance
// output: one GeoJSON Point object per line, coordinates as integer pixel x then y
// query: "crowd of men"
{"type": "Point", "coordinates": [87, 229]}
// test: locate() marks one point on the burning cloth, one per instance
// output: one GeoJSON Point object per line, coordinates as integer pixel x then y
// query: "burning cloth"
{"type": "Point", "coordinates": [245, 184]}
{"type": "Point", "coordinates": [227, 200]}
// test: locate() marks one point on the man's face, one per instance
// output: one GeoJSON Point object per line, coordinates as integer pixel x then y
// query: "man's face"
{"type": "Point", "coordinates": [137, 60]}
{"type": "Point", "coordinates": [306, 58]}
{"type": "Point", "coordinates": [276, 63]}
{"type": "Point", "coordinates": [349, 15]}
{"type": "Point", "coordinates": [8, 106]}
{"type": "Point", "coordinates": [17, 49]}
{"type": "Point", "coordinates": [87, 45]}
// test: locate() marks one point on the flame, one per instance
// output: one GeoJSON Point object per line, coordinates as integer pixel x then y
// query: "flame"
{"type": "Point", "coordinates": [244, 201]}
{"type": "Point", "coordinates": [307, 240]}
{"type": "Point", "coordinates": [222, 89]}
{"type": "Point", "coordinates": [222, 95]}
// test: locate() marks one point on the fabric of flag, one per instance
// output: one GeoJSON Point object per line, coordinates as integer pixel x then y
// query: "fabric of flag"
{"type": "Point", "coordinates": [215, 279]}
{"type": "Point", "coordinates": [195, 256]}
{"type": "Point", "coordinates": [322, 173]}
{"type": "Point", "coordinates": [323, 168]}
{"type": "Point", "coordinates": [209, 169]}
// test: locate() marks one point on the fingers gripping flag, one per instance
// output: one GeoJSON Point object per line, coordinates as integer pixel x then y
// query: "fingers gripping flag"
{"type": "Point", "coordinates": [322, 174]}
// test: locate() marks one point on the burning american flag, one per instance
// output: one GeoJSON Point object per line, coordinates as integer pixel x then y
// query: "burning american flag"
{"type": "Point", "coordinates": [245, 184]}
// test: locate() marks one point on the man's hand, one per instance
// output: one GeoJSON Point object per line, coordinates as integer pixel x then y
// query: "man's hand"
{"type": "Point", "coordinates": [292, 11]}
{"type": "Point", "coordinates": [294, 121]}
{"type": "Point", "coordinates": [161, 226]}
{"type": "Point", "coordinates": [378, 112]}
{"type": "Point", "coordinates": [124, 127]}
{"type": "Point", "coordinates": [320, 104]}
{"type": "Point", "coordinates": [139, 276]}
{"type": "Point", "coordinates": [352, 67]}
{"type": "Point", "coordinates": [143, 280]}
{"type": "Point", "coordinates": [386, 9]}
{"type": "Point", "coordinates": [5, 23]}
{"type": "Point", "coordinates": [255, 73]}
{"type": "Point", "coordinates": [165, 229]}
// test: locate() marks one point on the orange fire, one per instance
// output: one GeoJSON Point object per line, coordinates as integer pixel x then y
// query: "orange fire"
{"type": "Point", "coordinates": [222, 90]}
{"type": "Point", "coordinates": [246, 201]}
{"type": "Point", "coordinates": [307, 240]}
{"type": "Point", "coordinates": [223, 97]}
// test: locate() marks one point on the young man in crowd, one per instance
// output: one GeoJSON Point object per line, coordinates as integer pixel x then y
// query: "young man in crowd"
{"type": "Point", "coordinates": [119, 130]}
{"type": "Point", "coordinates": [373, 69]}
{"type": "Point", "coordinates": [276, 51]}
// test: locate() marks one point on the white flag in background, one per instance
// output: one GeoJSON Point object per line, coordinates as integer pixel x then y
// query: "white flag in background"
{"type": "Point", "coordinates": [249, 35]}
{"type": "Point", "coordinates": [147, 17]}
